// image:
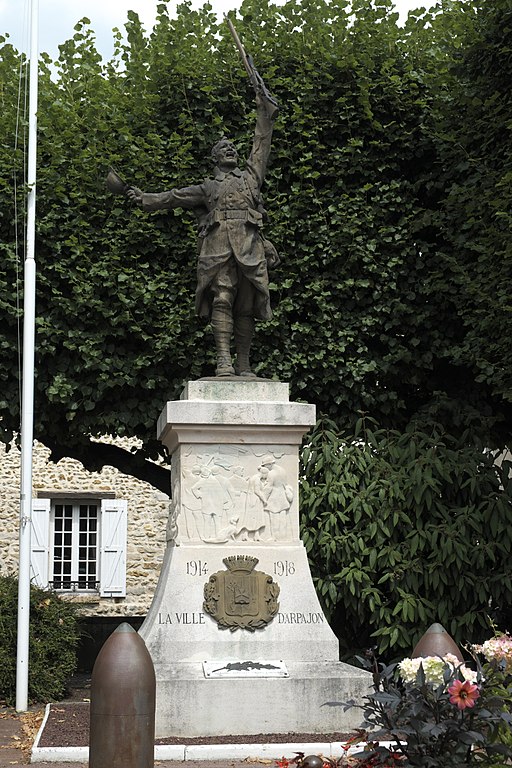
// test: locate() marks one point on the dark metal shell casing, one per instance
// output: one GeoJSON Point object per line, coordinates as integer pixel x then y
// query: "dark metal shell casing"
{"type": "Point", "coordinates": [312, 761]}
{"type": "Point", "coordinates": [122, 719]}
{"type": "Point", "coordinates": [436, 642]}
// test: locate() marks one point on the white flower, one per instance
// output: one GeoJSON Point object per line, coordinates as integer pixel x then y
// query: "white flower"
{"type": "Point", "coordinates": [434, 668]}
{"type": "Point", "coordinates": [409, 669]}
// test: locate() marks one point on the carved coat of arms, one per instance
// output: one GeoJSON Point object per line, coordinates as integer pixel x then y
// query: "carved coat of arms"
{"type": "Point", "coordinates": [241, 598]}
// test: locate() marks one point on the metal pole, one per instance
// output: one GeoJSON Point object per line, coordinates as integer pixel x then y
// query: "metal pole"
{"type": "Point", "coordinates": [27, 398]}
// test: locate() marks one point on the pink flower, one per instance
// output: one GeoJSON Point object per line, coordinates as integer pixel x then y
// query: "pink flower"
{"type": "Point", "coordinates": [463, 694]}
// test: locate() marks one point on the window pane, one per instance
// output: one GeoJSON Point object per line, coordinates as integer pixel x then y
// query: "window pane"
{"type": "Point", "coordinates": [75, 545]}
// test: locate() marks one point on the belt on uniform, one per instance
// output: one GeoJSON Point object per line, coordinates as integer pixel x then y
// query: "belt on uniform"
{"type": "Point", "coordinates": [248, 215]}
{"type": "Point", "coordinates": [233, 214]}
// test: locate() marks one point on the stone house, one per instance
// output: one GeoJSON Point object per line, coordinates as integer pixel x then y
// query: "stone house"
{"type": "Point", "coordinates": [98, 538]}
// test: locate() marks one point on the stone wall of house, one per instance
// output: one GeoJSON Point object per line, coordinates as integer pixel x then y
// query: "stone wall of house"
{"type": "Point", "coordinates": [147, 518]}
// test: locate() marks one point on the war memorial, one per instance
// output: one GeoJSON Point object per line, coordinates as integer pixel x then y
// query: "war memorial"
{"type": "Point", "coordinates": [239, 641]}
{"type": "Point", "coordinates": [237, 636]}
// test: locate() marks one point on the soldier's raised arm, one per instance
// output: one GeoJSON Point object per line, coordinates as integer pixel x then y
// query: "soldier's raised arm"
{"type": "Point", "coordinates": [255, 78]}
{"type": "Point", "coordinates": [266, 112]}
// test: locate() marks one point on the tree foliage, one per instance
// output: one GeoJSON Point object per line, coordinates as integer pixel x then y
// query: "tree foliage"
{"type": "Point", "coordinates": [390, 213]}
{"type": "Point", "coordinates": [470, 203]}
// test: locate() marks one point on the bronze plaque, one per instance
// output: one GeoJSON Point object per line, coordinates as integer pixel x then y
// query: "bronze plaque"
{"type": "Point", "coordinates": [241, 598]}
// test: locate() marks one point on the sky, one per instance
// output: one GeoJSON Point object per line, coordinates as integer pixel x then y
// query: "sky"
{"type": "Point", "coordinates": [58, 17]}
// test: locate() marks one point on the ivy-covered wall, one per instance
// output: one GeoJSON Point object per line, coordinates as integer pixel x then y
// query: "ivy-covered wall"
{"type": "Point", "coordinates": [387, 194]}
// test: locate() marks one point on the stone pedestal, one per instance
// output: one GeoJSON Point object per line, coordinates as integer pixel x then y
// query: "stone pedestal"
{"type": "Point", "coordinates": [236, 633]}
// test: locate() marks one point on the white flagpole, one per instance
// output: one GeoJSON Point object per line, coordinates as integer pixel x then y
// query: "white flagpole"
{"type": "Point", "coordinates": [27, 399]}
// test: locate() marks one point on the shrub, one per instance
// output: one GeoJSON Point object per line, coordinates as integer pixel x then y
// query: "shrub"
{"type": "Point", "coordinates": [404, 529]}
{"type": "Point", "coordinates": [54, 635]}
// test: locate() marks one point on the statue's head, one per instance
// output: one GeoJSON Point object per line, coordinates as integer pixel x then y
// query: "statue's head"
{"type": "Point", "coordinates": [224, 154]}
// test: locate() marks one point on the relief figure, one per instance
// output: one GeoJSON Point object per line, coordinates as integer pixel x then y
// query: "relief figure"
{"type": "Point", "coordinates": [218, 520]}
{"type": "Point", "coordinates": [192, 503]}
{"type": "Point", "coordinates": [278, 498]}
{"type": "Point", "coordinates": [253, 520]}
{"type": "Point", "coordinates": [221, 504]}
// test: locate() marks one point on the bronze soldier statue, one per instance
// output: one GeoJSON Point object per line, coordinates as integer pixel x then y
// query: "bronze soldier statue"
{"type": "Point", "coordinates": [232, 278]}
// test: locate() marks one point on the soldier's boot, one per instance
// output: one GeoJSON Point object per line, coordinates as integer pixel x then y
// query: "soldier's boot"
{"type": "Point", "coordinates": [244, 331]}
{"type": "Point", "coordinates": [222, 325]}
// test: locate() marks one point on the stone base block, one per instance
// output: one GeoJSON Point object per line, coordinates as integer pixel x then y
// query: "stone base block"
{"type": "Point", "coordinates": [237, 635]}
{"type": "Point", "coordinates": [308, 701]}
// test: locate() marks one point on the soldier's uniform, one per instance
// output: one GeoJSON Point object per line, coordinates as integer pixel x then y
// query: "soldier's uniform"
{"type": "Point", "coordinates": [232, 279]}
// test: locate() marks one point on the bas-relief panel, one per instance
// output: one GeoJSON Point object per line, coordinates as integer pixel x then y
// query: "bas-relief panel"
{"type": "Point", "coordinates": [227, 494]}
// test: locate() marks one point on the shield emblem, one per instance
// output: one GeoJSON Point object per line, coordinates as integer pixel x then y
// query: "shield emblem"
{"type": "Point", "coordinates": [241, 598]}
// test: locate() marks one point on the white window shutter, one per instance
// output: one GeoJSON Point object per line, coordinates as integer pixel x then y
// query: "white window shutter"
{"type": "Point", "coordinates": [40, 542]}
{"type": "Point", "coordinates": [114, 516]}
